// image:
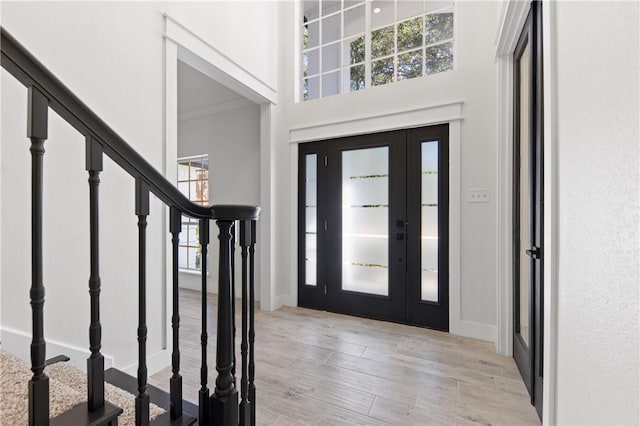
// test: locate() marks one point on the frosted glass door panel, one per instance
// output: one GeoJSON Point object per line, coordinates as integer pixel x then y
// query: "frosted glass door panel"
{"type": "Point", "coordinates": [429, 225]}
{"type": "Point", "coordinates": [365, 220]}
{"type": "Point", "coordinates": [524, 283]}
{"type": "Point", "coordinates": [311, 216]}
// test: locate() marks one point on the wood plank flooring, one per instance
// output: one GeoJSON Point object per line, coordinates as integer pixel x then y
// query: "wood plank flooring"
{"type": "Point", "coordinates": [320, 368]}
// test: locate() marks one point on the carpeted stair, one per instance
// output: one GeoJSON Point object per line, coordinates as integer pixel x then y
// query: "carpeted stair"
{"type": "Point", "coordinates": [67, 388]}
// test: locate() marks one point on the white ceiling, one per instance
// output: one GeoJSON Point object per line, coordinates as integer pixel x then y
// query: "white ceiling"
{"type": "Point", "coordinates": [198, 92]}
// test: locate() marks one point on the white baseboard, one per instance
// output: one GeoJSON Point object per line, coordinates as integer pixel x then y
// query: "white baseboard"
{"type": "Point", "coordinates": [155, 363]}
{"type": "Point", "coordinates": [283, 300]}
{"type": "Point", "coordinates": [193, 281]}
{"type": "Point", "coordinates": [19, 343]}
{"type": "Point", "coordinates": [195, 287]}
{"type": "Point", "coordinates": [473, 329]}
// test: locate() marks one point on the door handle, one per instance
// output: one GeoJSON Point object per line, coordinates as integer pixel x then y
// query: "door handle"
{"type": "Point", "coordinates": [534, 252]}
{"type": "Point", "coordinates": [400, 236]}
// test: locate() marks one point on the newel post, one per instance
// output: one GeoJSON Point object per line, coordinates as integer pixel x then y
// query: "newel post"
{"type": "Point", "coordinates": [224, 402]}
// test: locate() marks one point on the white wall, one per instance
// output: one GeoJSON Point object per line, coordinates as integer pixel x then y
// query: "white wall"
{"type": "Point", "coordinates": [231, 139]}
{"type": "Point", "coordinates": [598, 283]}
{"type": "Point", "coordinates": [244, 31]}
{"type": "Point", "coordinates": [474, 83]}
{"type": "Point", "coordinates": [111, 55]}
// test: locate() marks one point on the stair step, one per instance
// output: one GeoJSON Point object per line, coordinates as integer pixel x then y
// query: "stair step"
{"type": "Point", "coordinates": [157, 396]}
{"type": "Point", "coordinates": [165, 419]}
{"type": "Point", "coordinates": [80, 415]}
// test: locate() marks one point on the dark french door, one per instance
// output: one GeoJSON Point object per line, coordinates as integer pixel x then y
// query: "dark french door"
{"type": "Point", "coordinates": [528, 206]}
{"type": "Point", "coordinates": [373, 226]}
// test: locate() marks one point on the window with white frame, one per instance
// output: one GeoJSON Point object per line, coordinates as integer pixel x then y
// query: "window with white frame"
{"type": "Point", "coordinates": [349, 45]}
{"type": "Point", "coordinates": [193, 182]}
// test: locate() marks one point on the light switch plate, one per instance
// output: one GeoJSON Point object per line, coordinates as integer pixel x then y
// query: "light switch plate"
{"type": "Point", "coordinates": [478, 196]}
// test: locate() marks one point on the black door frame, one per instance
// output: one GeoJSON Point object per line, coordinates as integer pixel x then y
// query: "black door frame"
{"type": "Point", "coordinates": [529, 357]}
{"type": "Point", "coordinates": [404, 249]}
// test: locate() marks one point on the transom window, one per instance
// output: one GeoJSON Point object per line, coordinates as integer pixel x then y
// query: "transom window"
{"type": "Point", "coordinates": [348, 45]}
{"type": "Point", "coordinates": [193, 182]}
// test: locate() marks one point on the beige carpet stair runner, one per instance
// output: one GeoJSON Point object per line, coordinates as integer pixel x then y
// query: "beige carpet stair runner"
{"type": "Point", "coordinates": [67, 388]}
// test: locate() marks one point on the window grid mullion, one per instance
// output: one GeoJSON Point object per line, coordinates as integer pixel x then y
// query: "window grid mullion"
{"type": "Point", "coordinates": [320, 48]}
{"type": "Point", "coordinates": [395, 42]}
{"type": "Point", "coordinates": [367, 44]}
{"type": "Point", "coordinates": [341, 53]}
{"type": "Point", "coordinates": [438, 43]}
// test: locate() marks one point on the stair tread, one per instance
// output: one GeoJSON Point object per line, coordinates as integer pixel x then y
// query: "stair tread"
{"type": "Point", "coordinates": [156, 395]}
{"type": "Point", "coordinates": [80, 415]}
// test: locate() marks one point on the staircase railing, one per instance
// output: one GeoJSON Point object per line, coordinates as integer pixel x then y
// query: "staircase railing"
{"type": "Point", "coordinates": [46, 92]}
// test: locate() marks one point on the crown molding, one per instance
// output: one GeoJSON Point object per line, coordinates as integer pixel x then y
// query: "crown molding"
{"type": "Point", "coordinates": [512, 17]}
{"type": "Point", "coordinates": [213, 110]}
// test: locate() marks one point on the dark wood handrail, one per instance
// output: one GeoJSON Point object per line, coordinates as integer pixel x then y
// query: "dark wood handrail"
{"type": "Point", "coordinates": [17, 60]}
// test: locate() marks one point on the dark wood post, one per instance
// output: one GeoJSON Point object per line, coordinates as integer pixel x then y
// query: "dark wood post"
{"type": "Point", "coordinates": [245, 404]}
{"type": "Point", "coordinates": [175, 383]}
{"type": "Point", "coordinates": [37, 125]}
{"type": "Point", "coordinates": [252, 333]}
{"type": "Point", "coordinates": [224, 402]}
{"type": "Point", "coordinates": [203, 394]}
{"type": "Point", "coordinates": [142, 211]}
{"type": "Point", "coordinates": [95, 362]}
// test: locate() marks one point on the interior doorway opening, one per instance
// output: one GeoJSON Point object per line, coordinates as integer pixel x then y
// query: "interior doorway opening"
{"type": "Point", "coordinates": [218, 143]}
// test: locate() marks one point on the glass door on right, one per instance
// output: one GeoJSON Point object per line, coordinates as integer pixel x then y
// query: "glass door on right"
{"type": "Point", "coordinates": [528, 207]}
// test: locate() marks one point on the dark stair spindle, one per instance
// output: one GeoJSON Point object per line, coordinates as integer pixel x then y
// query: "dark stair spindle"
{"type": "Point", "coordinates": [203, 394]}
{"type": "Point", "coordinates": [175, 383]}
{"type": "Point", "coordinates": [95, 362]}
{"type": "Point", "coordinates": [142, 211]}
{"type": "Point", "coordinates": [252, 333]}
{"type": "Point", "coordinates": [245, 404]}
{"type": "Point", "coordinates": [233, 296]}
{"type": "Point", "coordinates": [224, 402]}
{"type": "Point", "coordinates": [39, 383]}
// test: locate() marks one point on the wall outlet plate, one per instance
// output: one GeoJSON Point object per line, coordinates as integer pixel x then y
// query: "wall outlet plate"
{"type": "Point", "coordinates": [478, 195]}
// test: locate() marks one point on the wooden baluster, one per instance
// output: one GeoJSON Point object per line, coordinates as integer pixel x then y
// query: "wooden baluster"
{"type": "Point", "coordinates": [175, 383]}
{"type": "Point", "coordinates": [245, 404]}
{"type": "Point", "coordinates": [203, 394]}
{"type": "Point", "coordinates": [224, 402]}
{"type": "Point", "coordinates": [142, 211]}
{"type": "Point", "coordinates": [95, 362]}
{"type": "Point", "coordinates": [252, 333]}
{"type": "Point", "coordinates": [39, 383]}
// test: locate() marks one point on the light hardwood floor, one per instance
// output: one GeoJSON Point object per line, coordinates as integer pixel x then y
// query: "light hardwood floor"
{"type": "Point", "coordinates": [320, 368]}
